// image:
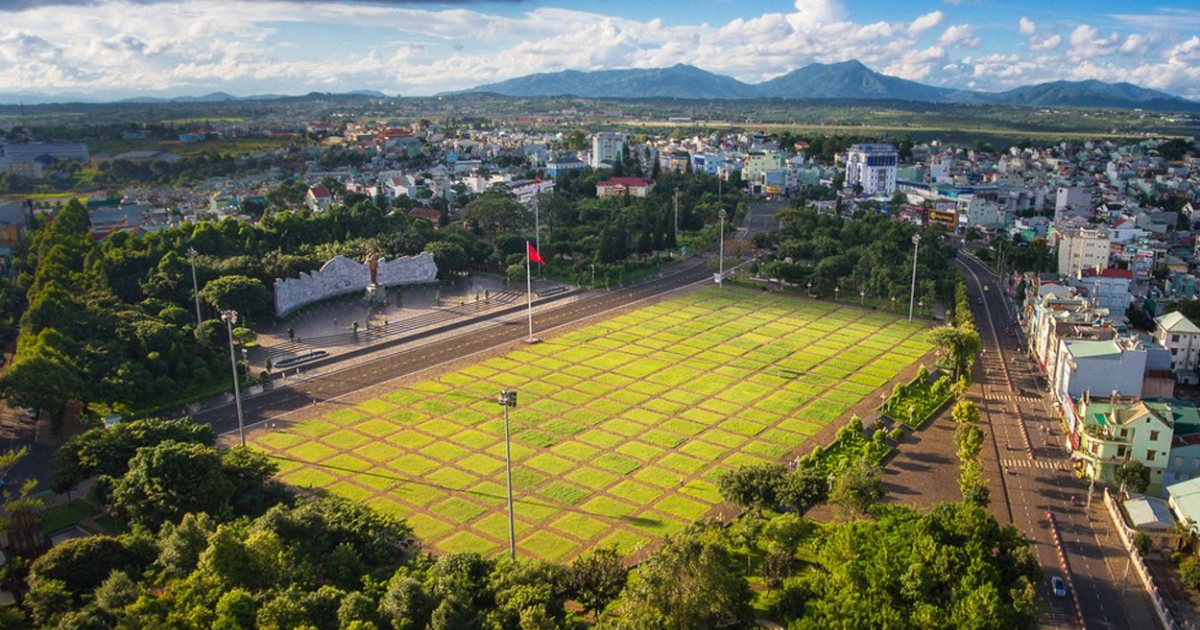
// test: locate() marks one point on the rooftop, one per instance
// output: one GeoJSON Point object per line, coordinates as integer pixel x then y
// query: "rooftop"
{"type": "Point", "coordinates": [1176, 323]}
{"type": "Point", "coordinates": [1149, 512]}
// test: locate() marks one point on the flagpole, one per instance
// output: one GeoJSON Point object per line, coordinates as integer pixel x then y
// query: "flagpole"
{"type": "Point", "coordinates": [529, 289]}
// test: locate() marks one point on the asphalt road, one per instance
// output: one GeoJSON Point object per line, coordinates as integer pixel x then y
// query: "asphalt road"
{"type": "Point", "coordinates": [1037, 478]}
{"type": "Point", "coordinates": [359, 375]}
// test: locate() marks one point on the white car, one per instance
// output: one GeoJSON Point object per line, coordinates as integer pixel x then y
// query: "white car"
{"type": "Point", "coordinates": [1058, 586]}
{"type": "Point", "coordinates": [31, 412]}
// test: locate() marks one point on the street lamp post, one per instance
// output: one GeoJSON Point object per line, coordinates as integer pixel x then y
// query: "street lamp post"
{"type": "Point", "coordinates": [810, 289]}
{"type": "Point", "coordinates": [508, 398]}
{"type": "Point", "coordinates": [191, 255]}
{"type": "Point", "coordinates": [862, 298]}
{"type": "Point", "coordinates": [721, 237]}
{"type": "Point", "coordinates": [893, 304]}
{"type": "Point", "coordinates": [230, 318]}
{"type": "Point", "coordinates": [912, 296]}
{"type": "Point", "coordinates": [537, 229]}
{"type": "Point", "coordinates": [593, 265]}
{"type": "Point", "coordinates": [836, 291]}
{"type": "Point", "coordinates": [676, 217]}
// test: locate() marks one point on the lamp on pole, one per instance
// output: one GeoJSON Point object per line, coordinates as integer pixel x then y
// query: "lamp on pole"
{"type": "Point", "coordinates": [230, 318]}
{"type": "Point", "coordinates": [508, 398]}
{"type": "Point", "coordinates": [836, 291]}
{"type": "Point", "coordinates": [537, 229]}
{"type": "Point", "coordinates": [593, 266]}
{"type": "Point", "coordinates": [912, 296]}
{"type": "Point", "coordinates": [721, 237]}
{"type": "Point", "coordinates": [676, 217]}
{"type": "Point", "coordinates": [191, 256]}
{"type": "Point", "coordinates": [810, 288]}
{"type": "Point", "coordinates": [862, 298]}
{"type": "Point", "coordinates": [893, 304]}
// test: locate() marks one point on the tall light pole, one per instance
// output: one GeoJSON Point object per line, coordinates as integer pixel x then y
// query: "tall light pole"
{"type": "Point", "coordinates": [230, 318]}
{"type": "Point", "coordinates": [912, 296]}
{"type": "Point", "coordinates": [721, 237]}
{"type": "Point", "coordinates": [676, 217]}
{"type": "Point", "coordinates": [508, 398]}
{"type": "Point", "coordinates": [537, 229]}
{"type": "Point", "coordinates": [191, 256]}
{"type": "Point", "coordinates": [593, 266]}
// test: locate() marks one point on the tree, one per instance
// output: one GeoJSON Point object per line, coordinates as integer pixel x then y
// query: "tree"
{"type": "Point", "coordinates": [1134, 475]}
{"type": "Point", "coordinates": [450, 257]}
{"type": "Point", "coordinates": [596, 579]}
{"type": "Point", "coordinates": [103, 451]}
{"type": "Point", "coordinates": [1189, 572]}
{"type": "Point", "coordinates": [692, 582]}
{"type": "Point", "coordinates": [965, 412]}
{"type": "Point", "coordinates": [169, 480]}
{"type": "Point", "coordinates": [245, 295]}
{"type": "Point", "coordinates": [753, 487]}
{"type": "Point", "coordinates": [858, 487]}
{"type": "Point", "coordinates": [959, 344]}
{"type": "Point", "coordinates": [972, 485]}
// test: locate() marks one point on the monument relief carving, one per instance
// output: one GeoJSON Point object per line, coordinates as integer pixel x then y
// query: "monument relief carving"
{"type": "Point", "coordinates": [343, 275]}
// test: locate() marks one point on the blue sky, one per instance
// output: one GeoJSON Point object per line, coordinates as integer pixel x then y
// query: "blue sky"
{"type": "Point", "coordinates": [121, 48]}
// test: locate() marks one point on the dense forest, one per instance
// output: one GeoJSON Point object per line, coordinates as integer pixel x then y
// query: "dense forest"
{"type": "Point", "coordinates": [231, 549]}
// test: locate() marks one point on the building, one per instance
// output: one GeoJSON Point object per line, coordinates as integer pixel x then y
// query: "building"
{"type": "Point", "coordinates": [608, 147]}
{"type": "Point", "coordinates": [1184, 500]}
{"type": "Point", "coordinates": [29, 151]}
{"type": "Point", "coordinates": [1182, 338]}
{"type": "Point", "coordinates": [1115, 433]}
{"type": "Point", "coordinates": [620, 186]}
{"type": "Point", "coordinates": [759, 162]}
{"type": "Point", "coordinates": [873, 167]}
{"type": "Point", "coordinates": [1069, 200]}
{"type": "Point", "coordinates": [559, 164]}
{"type": "Point", "coordinates": [318, 198]}
{"type": "Point", "coordinates": [1115, 366]}
{"type": "Point", "coordinates": [1108, 288]}
{"type": "Point", "coordinates": [1081, 247]}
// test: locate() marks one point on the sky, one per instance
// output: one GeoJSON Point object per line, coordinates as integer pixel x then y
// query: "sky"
{"type": "Point", "coordinates": [108, 49]}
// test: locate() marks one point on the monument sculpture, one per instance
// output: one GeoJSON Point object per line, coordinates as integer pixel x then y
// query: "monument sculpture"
{"type": "Point", "coordinates": [342, 275]}
{"type": "Point", "coordinates": [372, 262]}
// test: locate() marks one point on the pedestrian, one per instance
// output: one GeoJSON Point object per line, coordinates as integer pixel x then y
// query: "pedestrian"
{"type": "Point", "coordinates": [335, 322]}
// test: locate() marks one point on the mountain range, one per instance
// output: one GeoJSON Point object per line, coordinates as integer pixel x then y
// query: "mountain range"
{"type": "Point", "coordinates": [33, 98]}
{"type": "Point", "coordinates": [843, 80]}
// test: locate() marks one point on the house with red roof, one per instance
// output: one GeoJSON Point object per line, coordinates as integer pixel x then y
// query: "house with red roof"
{"type": "Point", "coordinates": [621, 186]}
{"type": "Point", "coordinates": [318, 198]}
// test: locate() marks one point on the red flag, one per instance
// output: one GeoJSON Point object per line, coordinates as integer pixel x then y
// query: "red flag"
{"type": "Point", "coordinates": [534, 256]}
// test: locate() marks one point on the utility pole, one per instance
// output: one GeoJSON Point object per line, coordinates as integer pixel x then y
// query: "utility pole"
{"type": "Point", "coordinates": [230, 318]}
{"type": "Point", "coordinates": [721, 237]}
{"type": "Point", "coordinates": [191, 256]}
{"type": "Point", "coordinates": [912, 296]}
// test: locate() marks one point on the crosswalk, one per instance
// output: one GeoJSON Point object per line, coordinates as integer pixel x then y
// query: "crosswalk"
{"type": "Point", "coordinates": [1012, 397]}
{"type": "Point", "coordinates": [1041, 463]}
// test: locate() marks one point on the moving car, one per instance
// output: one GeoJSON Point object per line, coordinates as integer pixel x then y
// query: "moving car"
{"type": "Point", "coordinates": [1058, 586]}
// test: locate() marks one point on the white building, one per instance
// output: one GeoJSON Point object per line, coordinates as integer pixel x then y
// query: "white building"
{"type": "Point", "coordinates": [1071, 200]}
{"type": "Point", "coordinates": [1174, 332]}
{"type": "Point", "coordinates": [607, 146]}
{"type": "Point", "coordinates": [1079, 248]}
{"type": "Point", "coordinates": [872, 166]}
{"type": "Point", "coordinates": [1108, 288]}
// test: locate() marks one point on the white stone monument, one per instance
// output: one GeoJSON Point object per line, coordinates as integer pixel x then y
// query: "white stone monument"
{"type": "Point", "coordinates": [343, 275]}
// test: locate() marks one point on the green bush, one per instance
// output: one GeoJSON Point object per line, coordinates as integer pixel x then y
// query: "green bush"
{"type": "Point", "coordinates": [896, 434]}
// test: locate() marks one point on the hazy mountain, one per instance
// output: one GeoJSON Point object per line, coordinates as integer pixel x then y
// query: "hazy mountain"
{"type": "Point", "coordinates": [678, 81]}
{"type": "Point", "coordinates": [1090, 94]}
{"type": "Point", "coordinates": [844, 80]}
{"type": "Point", "coordinates": [848, 80]}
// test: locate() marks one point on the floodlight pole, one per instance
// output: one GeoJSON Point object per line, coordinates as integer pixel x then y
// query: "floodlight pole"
{"type": "Point", "coordinates": [508, 398]}
{"type": "Point", "coordinates": [677, 217]}
{"type": "Point", "coordinates": [230, 317]}
{"type": "Point", "coordinates": [191, 256]}
{"type": "Point", "coordinates": [721, 238]}
{"type": "Point", "coordinates": [912, 296]}
{"type": "Point", "coordinates": [537, 230]}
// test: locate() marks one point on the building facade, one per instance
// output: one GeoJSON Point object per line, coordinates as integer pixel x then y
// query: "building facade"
{"type": "Point", "coordinates": [1181, 337]}
{"type": "Point", "coordinates": [1080, 248]}
{"type": "Point", "coordinates": [873, 167]}
{"type": "Point", "coordinates": [608, 147]}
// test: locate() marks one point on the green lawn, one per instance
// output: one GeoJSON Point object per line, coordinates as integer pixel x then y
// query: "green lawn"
{"type": "Point", "coordinates": [621, 426]}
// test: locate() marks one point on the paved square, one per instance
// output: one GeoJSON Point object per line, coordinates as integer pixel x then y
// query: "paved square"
{"type": "Point", "coordinates": [621, 428]}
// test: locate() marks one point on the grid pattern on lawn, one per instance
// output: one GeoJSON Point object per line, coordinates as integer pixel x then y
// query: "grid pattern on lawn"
{"type": "Point", "coordinates": [622, 426]}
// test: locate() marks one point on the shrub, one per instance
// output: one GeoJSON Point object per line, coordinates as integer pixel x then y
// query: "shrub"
{"type": "Point", "coordinates": [896, 434]}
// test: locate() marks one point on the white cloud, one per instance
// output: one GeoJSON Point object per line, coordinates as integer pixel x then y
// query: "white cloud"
{"type": "Point", "coordinates": [189, 46]}
{"type": "Point", "coordinates": [1086, 43]}
{"type": "Point", "coordinates": [1046, 43]}
{"type": "Point", "coordinates": [962, 35]}
{"type": "Point", "coordinates": [925, 22]}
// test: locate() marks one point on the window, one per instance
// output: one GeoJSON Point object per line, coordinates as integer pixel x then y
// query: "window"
{"type": "Point", "coordinates": [1176, 476]}
{"type": "Point", "coordinates": [1124, 432]}
{"type": "Point", "coordinates": [1154, 436]}
{"type": "Point", "coordinates": [1121, 451]}
{"type": "Point", "coordinates": [1179, 461]}
{"type": "Point", "coordinates": [1174, 338]}
{"type": "Point", "coordinates": [1196, 462]}
{"type": "Point", "coordinates": [1149, 456]}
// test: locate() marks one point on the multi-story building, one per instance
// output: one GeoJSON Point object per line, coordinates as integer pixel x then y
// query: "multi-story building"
{"type": "Point", "coordinates": [873, 167]}
{"type": "Point", "coordinates": [1108, 288]}
{"type": "Point", "coordinates": [1070, 200]}
{"type": "Point", "coordinates": [1115, 433]}
{"type": "Point", "coordinates": [1081, 247]}
{"type": "Point", "coordinates": [1182, 338]}
{"type": "Point", "coordinates": [759, 162]}
{"type": "Point", "coordinates": [608, 147]}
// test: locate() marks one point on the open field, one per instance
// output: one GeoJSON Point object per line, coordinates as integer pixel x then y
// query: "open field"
{"type": "Point", "coordinates": [621, 426]}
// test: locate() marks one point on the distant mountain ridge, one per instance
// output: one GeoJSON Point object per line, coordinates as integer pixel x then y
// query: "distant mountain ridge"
{"type": "Point", "coordinates": [31, 98]}
{"type": "Point", "coordinates": [842, 80]}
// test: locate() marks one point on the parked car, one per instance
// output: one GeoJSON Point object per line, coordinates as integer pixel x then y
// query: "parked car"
{"type": "Point", "coordinates": [1058, 586]}
{"type": "Point", "coordinates": [31, 412]}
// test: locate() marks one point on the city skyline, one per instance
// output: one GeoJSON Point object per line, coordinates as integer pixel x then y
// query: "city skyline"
{"type": "Point", "coordinates": [104, 49]}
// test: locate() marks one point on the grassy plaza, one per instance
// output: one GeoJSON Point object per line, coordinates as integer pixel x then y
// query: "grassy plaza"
{"type": "Point", "coordinates": [621, 427]}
